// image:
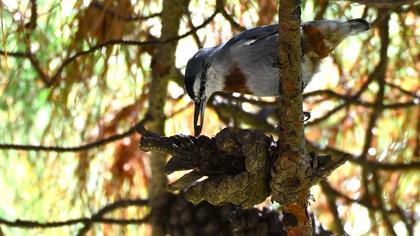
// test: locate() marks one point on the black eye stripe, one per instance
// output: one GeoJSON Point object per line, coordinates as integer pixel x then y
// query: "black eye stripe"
{"type": "Point", "coordinates": [203, 79]}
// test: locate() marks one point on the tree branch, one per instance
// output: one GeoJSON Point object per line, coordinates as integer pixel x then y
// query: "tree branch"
{"type": "Point", "coordinates": [95, 218]}
{"type": "Point", "coordinates": [362, 202]}
{"type": "Point", "coordinates": [34, 16]}
{"type": "Point", "coordinates": [331, 200]}
{"type": "Point", "coordinates": [221, 7]}
{"type": "Point", "coordinates": [371, 165]}
{"type": "Point", "coordinates": [118, 16]}
{"type": "Point", "coordinates": [384, 3]}
{"type": "Point", "coordinates": [84, 147]}
{"type": "Point", "coordinates": [55, 77]}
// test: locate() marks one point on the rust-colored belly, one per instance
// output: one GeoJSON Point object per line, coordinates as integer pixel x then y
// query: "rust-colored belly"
{"type": "Point", "coordinates": [235, 81]}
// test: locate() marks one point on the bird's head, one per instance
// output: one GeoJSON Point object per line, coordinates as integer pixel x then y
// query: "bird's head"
{"type": "Point", "coordinates": [200, 84]}
{"type": "Point", "coordinates": [322, 36]}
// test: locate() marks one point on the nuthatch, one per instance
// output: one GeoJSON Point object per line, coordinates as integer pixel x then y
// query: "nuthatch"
{"type": "Point", "coordinates": [248, 63]}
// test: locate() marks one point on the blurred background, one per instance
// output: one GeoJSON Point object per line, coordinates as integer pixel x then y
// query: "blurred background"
{"type": "Point", "coordinates": [74, 72]}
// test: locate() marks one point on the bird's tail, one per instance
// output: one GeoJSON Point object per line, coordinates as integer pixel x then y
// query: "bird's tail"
{"type": "Point", "coordinates": [322, 36]}
{"type": "Point", "coordinates": [354, 26]}
{"type": "Point", "coordinates": [337, 29]}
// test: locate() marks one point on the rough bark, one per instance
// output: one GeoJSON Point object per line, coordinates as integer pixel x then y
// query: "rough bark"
{"type": "Point", "coordinates": [162, 65]}
{"type": "Point", "coordinates": [291, 170]}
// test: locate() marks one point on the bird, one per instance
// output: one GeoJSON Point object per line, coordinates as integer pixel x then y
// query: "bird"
{"type": "Point", "coordinates": [248, 63]}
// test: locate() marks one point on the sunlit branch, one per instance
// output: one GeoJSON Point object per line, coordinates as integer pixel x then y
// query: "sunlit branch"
{"type": "Point", "coordinates": [396, 210]}
{"type": "Point", "coordinates": [122, 42]}
{"type": "Point", "coordinates": [128, 43]}
{"type": "Point", "coordinates": [331, 200]}
{"type": "Point", "coordinates": [350, 200]}
{"type": "Point", "coordinates": [384, 3]}
{"type": "Point", "coordinates": [408, 219]}
{"type": "Point", "coordinates": [404, 91]}
{"type": "Point", "coordinates": [323, 4]}
{"type": "Point", "coordinates": [327, 115]}
{"type": "Point", "coordinates": [372, 165]}
{"type": "Point", "coordinates": [54, 224]}
{"type": "Point", "coordinates": [114, 206]}
{"type": "Point", "coordinates": [83, 147]}
{"type": "Point", "coordinates": [95, 218]}
{"type": "Point", "coordinates": [118, 16]}
{"type": "Point", "coordinates": [14, 54]}
{"type": "Point", "coordinates": [195, 35]}
{"type": "Point", "coordinates": [377, 75]}
{"type": "Point", "coordinates": [37, 66]}
{"type": "Point", "coordinates": [357, 101]}
{"type": "Point", "coordinates": [377, 192]}
{"type": "Point", "coordinates": [34, 15]}
{"type": "Point", "coordinates": [228, 17]}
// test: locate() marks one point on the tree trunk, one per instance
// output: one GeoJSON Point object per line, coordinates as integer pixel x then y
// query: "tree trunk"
{"type": "Point", "coordinates": [162, 67]}
{"type": "Point", "coordinates": [290, 183]}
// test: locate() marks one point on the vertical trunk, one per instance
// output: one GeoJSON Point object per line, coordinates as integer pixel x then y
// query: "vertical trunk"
{"type": "Point", "coordinates": [290, 185]}
{"type": "Point", "coordinates": [162, 65]}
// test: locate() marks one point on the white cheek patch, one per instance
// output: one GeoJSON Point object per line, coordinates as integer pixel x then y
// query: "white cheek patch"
{"type": "Point", "coordinates": [213, 83]}
{"type": "Point", "coordinates": [196, 87]}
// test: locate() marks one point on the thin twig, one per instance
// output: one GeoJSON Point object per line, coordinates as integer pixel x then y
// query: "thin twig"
{"type": "Point", "coordinates": [83, 147]}
{"type": "Point", "coordinates": [118, 16]}
{"type": "Point", "coordinates": [357, 101]}
{"type": "Point", "coordinates": [34, 16]}
{"type": "Point", "coordinates": [361, 202]}
{"type": "Point", "coordinates": [221, 7]}
{"type": "Point", "coordinates": [122, 42]}
{"type": "Point", "coordinates": [384, 3]}
{"type": "Point", "coordinates": [331, 198]}
{"type": "Point", "coordinates": [111, 207]}
{"type": "Point", "coordinates": [95, 218]}
{"type": "Point", "coordinates": [371, 165]}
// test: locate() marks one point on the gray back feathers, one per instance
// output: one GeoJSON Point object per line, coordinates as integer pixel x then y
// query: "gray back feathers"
{"type": "Point", "coordinates": [255, 52]}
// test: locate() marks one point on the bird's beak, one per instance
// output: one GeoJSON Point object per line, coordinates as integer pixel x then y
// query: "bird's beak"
{"type": "Point", "coordinates": [200, 106]}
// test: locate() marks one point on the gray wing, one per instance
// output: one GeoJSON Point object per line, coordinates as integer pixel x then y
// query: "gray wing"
{"type": "Point", "coordinates": [255, 51]}
{"type": "Point", "coordinates": [253, 35]}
